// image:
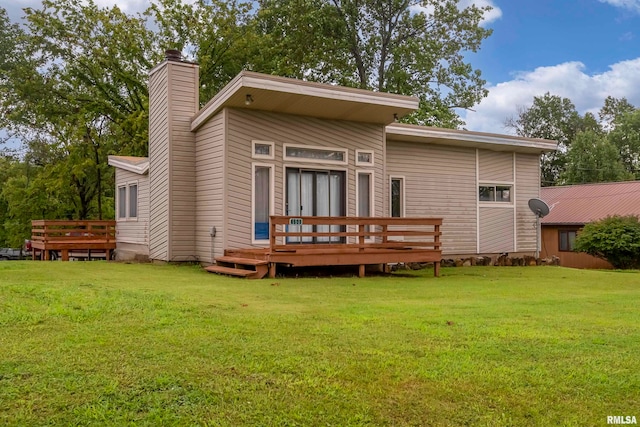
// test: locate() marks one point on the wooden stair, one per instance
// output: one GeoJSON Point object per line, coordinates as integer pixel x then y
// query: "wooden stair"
{"type": "Point", "coordinates": [241, 267]}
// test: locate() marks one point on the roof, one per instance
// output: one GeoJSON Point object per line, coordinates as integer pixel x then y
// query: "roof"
{"type": "Point", "coordinates": [256, 91]}
{"type": "Point", "coordinates": [581, 204]}
{"type": "Point", "coordinates": [139, 165]}
{"type": "Point", "coordinates": [465, 138]}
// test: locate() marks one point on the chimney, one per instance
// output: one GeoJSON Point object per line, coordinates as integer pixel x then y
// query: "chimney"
{"type": "Point", "coordinates": [173, 55]}
{"type": "Point", "coordinates": [173, 100]}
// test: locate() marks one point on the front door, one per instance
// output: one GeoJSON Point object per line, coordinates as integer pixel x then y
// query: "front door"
{"type": "Point", "coordinates": [315, 193]}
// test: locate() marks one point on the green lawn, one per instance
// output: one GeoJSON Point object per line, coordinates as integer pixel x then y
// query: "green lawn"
{"type": "Point", "coordinates": [100, 343]}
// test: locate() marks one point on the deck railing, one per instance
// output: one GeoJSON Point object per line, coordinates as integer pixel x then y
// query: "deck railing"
{"type": "Point", "coordinates": [65, 236]}
{"type": "Point", "coordinates": [359, 240]}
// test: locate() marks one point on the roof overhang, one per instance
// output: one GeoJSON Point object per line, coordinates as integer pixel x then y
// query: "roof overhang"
{"type": "Point", "coordinates": [464, 138]}
{"type": "Point", "coordinates": [139, 165]}
{"type": "Point", "coordinates": [291, 96]}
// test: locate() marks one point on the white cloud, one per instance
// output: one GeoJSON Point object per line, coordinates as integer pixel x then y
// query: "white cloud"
{"type": "Point", "coordinates": [494, 14]}
{"type": "Point", "coordinates": [569, 79]}
{"type": "Point", "coordinates": [633, 5]}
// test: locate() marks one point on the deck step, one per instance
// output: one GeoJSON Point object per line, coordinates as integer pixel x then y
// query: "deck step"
{"type": "Point", "coordinates": [230, 271]}
{"type": "Point", "coordinates": [238, 260]}
{"type": "Point", "coordinates": [238, 266]}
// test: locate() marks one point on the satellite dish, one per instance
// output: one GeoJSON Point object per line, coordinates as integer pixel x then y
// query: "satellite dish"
{"type": "Point", "coordinates": [539, 207]}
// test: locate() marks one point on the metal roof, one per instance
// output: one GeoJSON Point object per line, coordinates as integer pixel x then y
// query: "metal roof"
{"type": "Point", "coordinates": [581, 204]}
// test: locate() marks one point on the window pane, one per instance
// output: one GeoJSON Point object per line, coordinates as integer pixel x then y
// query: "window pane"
{"type": "Point", "coordinates": [396, 197]}
{"type": "Point", "coordinates": [316, 154]}
{"type": "Point", "coordinates": [364, 194]}
{"type": "Point", "coordinates": [571, 237]}
{"type": "Point", "coordinates": [262, 149]}
{"type": "Point", "coordinates": [487, 194]}
{"type": "Point", "coordinates": [122, 202]}
{"type": "Point", "coordinates": [262, 195]}
{"type": "Point", "coordinates": [133, 201]}
{"type": "Point", "coordinates": [503, 194]}
{"type": "Point", "coordinates": [564, 241]}
{"type": "Point", "coordinates": [365, 157]}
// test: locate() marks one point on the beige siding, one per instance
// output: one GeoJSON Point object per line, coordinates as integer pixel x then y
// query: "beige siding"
{"type": "Point", "coordinates": [210, 197]}
{"type": "Point", "coordinates": [496, 230]}
{"type": "Point", "coordinates": [495, 166]}
{"type": "Point", "coordinates": [173, 100]}
{"type": "Point", "coordinates": [159, 165]}
{"type": "Point", "coordinates": [245, 126]}
{"type": "Point", "coordinates": [135, 231]}
{"type": "Point", "coordinates": [183, 91]}
{"type": "Point", "coordinates": [440, 182]}
{"type": "Point", "coordinates": [527, 187]}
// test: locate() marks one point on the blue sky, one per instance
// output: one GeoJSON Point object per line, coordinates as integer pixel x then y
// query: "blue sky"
{"type": "Point", "coordinates": [580, 49]}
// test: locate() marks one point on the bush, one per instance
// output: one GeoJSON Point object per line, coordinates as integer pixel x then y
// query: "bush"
{"type": "Point", "coordinates": [615, 238]}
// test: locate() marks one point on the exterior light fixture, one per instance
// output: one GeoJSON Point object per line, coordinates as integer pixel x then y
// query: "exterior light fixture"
{"type": "Point", "coordinates": [395, 117]}
{"type": "Point", "coordinates": [248, 99]}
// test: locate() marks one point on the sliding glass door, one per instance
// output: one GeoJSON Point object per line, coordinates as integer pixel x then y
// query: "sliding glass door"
{"type": "Point", "coordinates": [315, 193]}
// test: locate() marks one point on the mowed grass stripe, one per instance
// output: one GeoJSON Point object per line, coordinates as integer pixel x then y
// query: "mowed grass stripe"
{"type": "Point", "coordinates": [112, 344]}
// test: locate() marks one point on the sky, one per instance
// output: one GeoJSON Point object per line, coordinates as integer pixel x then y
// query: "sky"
{"type": "Point", "coordinates": [584, 50]}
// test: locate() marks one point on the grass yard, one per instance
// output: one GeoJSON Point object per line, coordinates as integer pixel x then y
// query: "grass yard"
{"type": "Point", "coordinates": [98, 343]}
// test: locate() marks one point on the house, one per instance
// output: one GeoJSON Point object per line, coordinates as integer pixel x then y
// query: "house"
{"type": "Point", "coordinates": [267, 145]}
{"type": "Point", "coordinates": [573, 206]}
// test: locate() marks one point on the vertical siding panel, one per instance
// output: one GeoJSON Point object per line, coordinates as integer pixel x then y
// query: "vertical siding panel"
{"type": "Point", "coordinates": [244, 126]}
{"type": "Point", "coordinates": [527, 187]}
{"type": "Point", "coordinates": [496, 230]}
{"type": "Point", "coordinates": [210, 198]}
{"type": "Point", "coordinates": [440, 182]}
{"type": "Point", "coordinates": [159, 164]}
{"type": "Point", "coordinates": [495, 166]}
{"type": "Point", "coordinates": [183, 91]}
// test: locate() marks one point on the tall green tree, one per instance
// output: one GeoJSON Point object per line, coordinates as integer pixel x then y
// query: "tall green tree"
{"type": "Point", "coordinates": [612, 110]}
{"type": "Point", "coordinates": [400, 46]}
{"type": "Point", "coordinates": [592, 158]}
{"type": "Point", "coordinates": [626, 137]}
{"type": "Point", "coordinates": [549, 117]}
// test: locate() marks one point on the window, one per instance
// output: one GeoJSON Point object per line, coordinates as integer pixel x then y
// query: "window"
{"type": "Point", "coordinates": [494, 193]}
{"type": "Point", "coordinates": [365, 196]}
{"type": "Point", "coordinates": [397, 197]}
{"type": "Point", "coordinates": [262, 195]}
{"type": "Point", "coordinates": [128, 201]}
{"type": "Point", "coordinates": [567, 240]}
{"type": "Point", "coordinates": [364, 158]}
{"type": "Point", "coordinates": [315, 154]}
{"type": "Point", "coordinates": [262, 150]}
{"type": "Point", "coordinates": [133, 201]}
{"type": "Point", "coordinates": [122, 202]}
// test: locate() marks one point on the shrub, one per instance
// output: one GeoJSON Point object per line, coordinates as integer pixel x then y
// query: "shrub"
{"type": "Point", "coordinates": [615, 238]}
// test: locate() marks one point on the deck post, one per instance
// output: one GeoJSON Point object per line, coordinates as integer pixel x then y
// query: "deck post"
{"type": "Point", "coordinates": [436, 269]}
{"type": "Point", "coordinates": [272, 270]}
{"type": "Point", "coordinates": [361, 270]}
{"type": "Point", "coordinates": [65, 255]}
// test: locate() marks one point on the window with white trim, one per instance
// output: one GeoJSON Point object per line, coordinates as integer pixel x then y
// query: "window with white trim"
{"type": "Point", "coordinates": [364, 158]}
{"type": "Point", "coordinates": [262, 201]}
{"type": "Point", "coordinates": [315, 154]}
{"type": "Point", "coordinates": [364, 191]}
{"type": "Point", "coordinates": [494, 193]}
{"type": "Point", "coordinates": [128, 201]}
{"type": "Point", "coordinates": [262, 149]}
{"type": "Point", "coordinates": [396, 196]}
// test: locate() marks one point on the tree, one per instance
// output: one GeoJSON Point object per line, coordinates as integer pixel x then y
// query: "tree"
{"type": "Point", "coordinates": [592, 158]}
{"type": "Point", "coordinates": [626, 137]}
{"type": "Point", "coordinates": [615, 238]}
{"type": "Point", "coordinates": [550, 117]}
{"type": "Point", "coordinates": [399, 46]}
{"type": "Point", "coordinates": [612, 110]}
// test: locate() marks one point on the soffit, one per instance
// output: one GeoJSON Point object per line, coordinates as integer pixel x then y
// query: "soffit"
{"type": "Point", "coordinates": [469, 139]}
{"type": "Point", "coordinates": [291, 96]}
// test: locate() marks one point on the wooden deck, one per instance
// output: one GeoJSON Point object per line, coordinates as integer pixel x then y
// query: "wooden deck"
{"type": "Point", "coordinates": [86, 239]}
{"type": "Point", "coordinates": [359, 241]}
